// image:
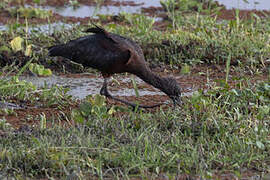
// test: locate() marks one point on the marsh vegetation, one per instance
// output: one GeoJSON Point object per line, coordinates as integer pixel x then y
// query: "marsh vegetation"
{"type": "Point", "coordinates": [221, 130]}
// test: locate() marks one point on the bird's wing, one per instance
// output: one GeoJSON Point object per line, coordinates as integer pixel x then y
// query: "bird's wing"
{"type": "Point", "coordinates": [118, 43]}
{"type": "Point", "coordinates": [102, 51]}
{"type": "Point", "coordinates": [99, 30]}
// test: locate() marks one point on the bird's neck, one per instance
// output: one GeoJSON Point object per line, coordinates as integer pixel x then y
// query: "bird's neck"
{"type": "Point", "coordinates": [153, 79]}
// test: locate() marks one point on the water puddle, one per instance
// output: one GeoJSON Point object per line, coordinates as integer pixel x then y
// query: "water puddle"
{"type": "Point", "coordinates": [44, 28]}
{"type": "Point", "coordinates": [82, 87]}
{"type": "Point", "coordinates": [241, 4]}
{"type": "Point", "coordinates": [50, 28]}
{"type": "Point", "coordinates": [91, 11]}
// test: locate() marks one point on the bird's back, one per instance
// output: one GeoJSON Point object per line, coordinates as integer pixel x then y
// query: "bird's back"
{"type": "Point", "coordinates": [96, 51]}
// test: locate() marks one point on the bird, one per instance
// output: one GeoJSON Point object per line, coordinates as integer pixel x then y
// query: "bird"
{"type": "Point", "coordinates": [111, 53]}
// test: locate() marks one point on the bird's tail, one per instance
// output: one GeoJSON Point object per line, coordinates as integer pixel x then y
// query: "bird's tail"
{"type": "Point", "coordinates": [57, 50]}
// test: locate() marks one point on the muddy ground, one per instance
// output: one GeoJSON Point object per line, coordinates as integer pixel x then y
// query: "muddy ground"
{"type": "Point", "coordinates": [199, 78]}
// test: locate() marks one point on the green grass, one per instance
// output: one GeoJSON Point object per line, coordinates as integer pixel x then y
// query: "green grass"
{"type": "Point", "coordinates": [221, 130]}
{"type": "Point", "coordinates": [195, 39]}
{"type": "Point", "coordinates": [225, 129]}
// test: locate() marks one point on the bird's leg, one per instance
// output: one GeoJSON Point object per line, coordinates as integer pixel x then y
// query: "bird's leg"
{"type": "Point", "coordinates": [104, 91]}
{"type": "Point", "coordinates": [176, 102]}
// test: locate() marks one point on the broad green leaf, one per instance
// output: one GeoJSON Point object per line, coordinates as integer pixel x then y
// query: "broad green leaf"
{"type": "Point", "coordinates": [77, 116]}
{"type": "Point", "coordinates": [39, 70]}
{"type": "Point", "coordinates": [112, 110]}
{"type": "Point", "coordinates": [16, 44]}
{"type": "Point", "coordinates": [47, 72]}
{"type": "Point", "coordinates": [98, 100]}
{"type": "Point", "coordinates": [85, 109]}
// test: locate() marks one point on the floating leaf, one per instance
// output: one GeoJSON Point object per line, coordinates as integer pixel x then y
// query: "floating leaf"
{"type": "Point", "coordinates": [16, 44]}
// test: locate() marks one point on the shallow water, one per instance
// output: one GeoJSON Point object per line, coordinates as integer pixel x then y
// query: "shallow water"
{"type": "Point", "coordinates": [252, 4]}
{"type": "Point", "coordinates": [82, 87]}
{"type": "Point", "coordinates": [50, 28]}
{"type": "Point", "coordinates": [92, 11]}
{"type": "Point", "coordinates": [44, 28]}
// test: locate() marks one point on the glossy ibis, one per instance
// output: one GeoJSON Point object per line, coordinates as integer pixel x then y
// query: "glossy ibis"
{"type": "Point", "coordinates": [111, 53]}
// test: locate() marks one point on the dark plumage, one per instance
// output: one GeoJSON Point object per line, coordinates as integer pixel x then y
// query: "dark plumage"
{"type": "Point", "coordinates": [111, 53]}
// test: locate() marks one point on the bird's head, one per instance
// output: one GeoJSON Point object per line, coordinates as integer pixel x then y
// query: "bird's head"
{"type": "Point", "coordinates": [173, 90]}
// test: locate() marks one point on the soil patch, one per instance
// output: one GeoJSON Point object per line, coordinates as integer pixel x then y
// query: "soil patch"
{"type": "Point", "coordinates": [32, 116]}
